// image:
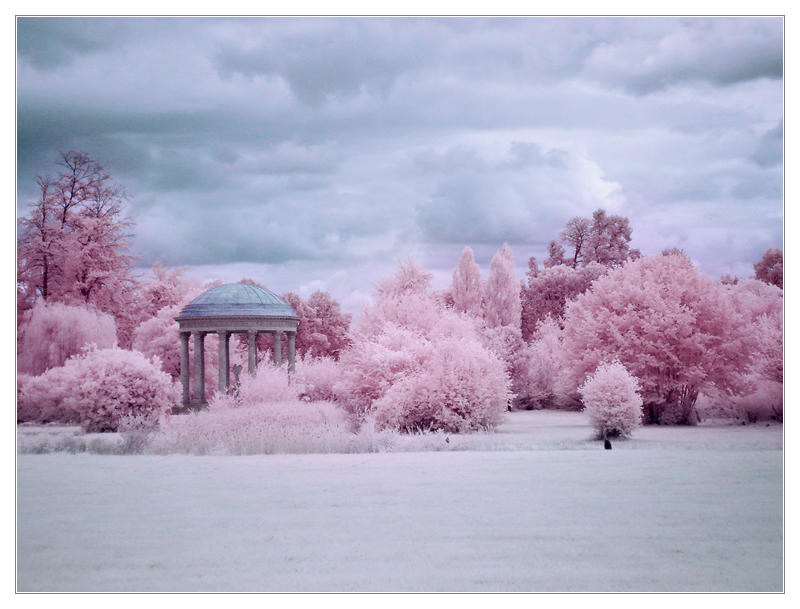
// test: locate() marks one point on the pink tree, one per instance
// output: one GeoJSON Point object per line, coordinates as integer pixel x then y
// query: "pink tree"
{"type": "Point", "coordinates": [54, 332]}
{"type": "Point", "coordinates": [331, 323]}
{"type": "Point", "coordinates": [467, 286]}
{"type": "Point", "coordinates": [165, 289]}
{"type": "Point", "coordinates": [415, 365]}
{"type": "Point", "coordinates": [501, 297]}
{"type": "Point", "coordinates": [603, 239]}
{"type": "Point", "coordinates": [671, 327]}
{"type": "Point", "coordinates": [72, 247]}
{"type": "Point", "coordinates": [547, 291]}
{"type": "Point", "coordinates": [324, 329]}
{"type": "Point", "coordinates": [770, 268]}
{"type": "Point", "coordinates": [539, 366]}
{"type": "Point", "coordinates": [97, 389]}
{"type": "Point", "coordinates": [760, 305]}
{"type": "Point", "coordinates": [609, 240]}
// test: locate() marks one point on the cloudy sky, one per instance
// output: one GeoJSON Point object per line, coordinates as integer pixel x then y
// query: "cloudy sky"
{"type": "Point", "coordinates": [315, 153]}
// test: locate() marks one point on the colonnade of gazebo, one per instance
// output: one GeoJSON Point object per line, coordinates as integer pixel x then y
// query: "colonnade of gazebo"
{"type": "Point", "coordinates": [238, 308]}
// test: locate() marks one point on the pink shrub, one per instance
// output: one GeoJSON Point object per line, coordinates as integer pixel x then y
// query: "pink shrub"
{"type": "Point", "coordinates": [376, 363]}
{"type": "Point", "coordinates": [415, 365]}
{"type": "Point", "coordinates": [40, 398]}
{"type": "Point", "coordinates": [612, 401]}
{"type": "Point", "coordinates": [316, 378]}
{"type": "Point", "coordinates": [764, 402]}
{"type": "Point", "coordinates": [459, 388]}
{"type": "Point", "coordinates": [99, 387]}
{"type": "Point", "coordinates": [55, 332]}
{"type": "Point", "coordinates": [269, 384]}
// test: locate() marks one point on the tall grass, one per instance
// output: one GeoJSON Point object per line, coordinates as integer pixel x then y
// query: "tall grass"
{"type": "Point", "coordinates": [286, 427]}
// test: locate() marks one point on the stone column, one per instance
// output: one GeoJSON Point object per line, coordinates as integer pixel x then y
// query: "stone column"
{"type": "Point", "coordinates": [251, 351]}
{"type": "Point", "coordinates": [276, 347]}
{"type": "Point", "coordinates": [290, 339]}
{"type": "Point", "coordinates": [224, 365]}
{"type": "Point", "coordinates": [184, 336]}
{"type": "Point", "coordinates": [199, 369]}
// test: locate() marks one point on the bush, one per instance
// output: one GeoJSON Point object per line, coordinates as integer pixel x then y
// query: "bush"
{"type": "Point", "coordinates": [40, 398]}
{"type": "Point", "coordinates": [612, 401]}
{"type": "Point", "coordinates": [55, 332]}
{"type": "Point", "coordinates": [460, 388]}
{"type": "Point", "coordinates": [316, 378]}
{"type": "Point", "coordinates": [98, 388]}
{"type": "Point", "coordinates": [268, 385]}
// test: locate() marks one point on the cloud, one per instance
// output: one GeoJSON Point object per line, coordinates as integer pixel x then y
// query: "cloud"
{"type": "Point", "coordinates": [311, 146]}
{"type": "Point", "coordinates": [770, 148]}
{"type": "Point", "coordinates": [718, 51]}
{"type": "Point", "coordinates": [50, 43]}
{"type": "Point", "coordinates": [513, 198]}
{"type": "Point", "coordinates": [320, 58]}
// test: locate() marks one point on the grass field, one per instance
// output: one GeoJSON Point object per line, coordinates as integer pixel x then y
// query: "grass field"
{"type": "Point", "coordinates": [536, 506]}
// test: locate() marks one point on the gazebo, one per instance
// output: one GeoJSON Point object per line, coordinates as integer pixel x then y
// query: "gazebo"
{"type": "Point", "coordinates": [233, 308]}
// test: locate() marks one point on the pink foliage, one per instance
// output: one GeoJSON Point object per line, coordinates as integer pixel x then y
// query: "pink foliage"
{"type": "Point", "coordinates": [604, 240]}
{"type": "Point", "coordinates": [99, 387]}
{"type": "Point", "coordinates": [538, 373]}
{"type": "Point", "coordinates": [671, 327]}
{"type": "Point", "coordinates": [501, 297]}
{"type": "Point", "coordinates": [546, 292]}
{"type": "Point", "coordinates": [467, 286]}
{"type": "Point", "coordinates": [316, 378]}
{"type": "Point", "coordinates": [401, 366]}
{"type": "Point", "coordinates": [55, 332]}
{"type": "Point", "coordinates": [157, 337]}
{"type": "Point", "coordinates": [456, 388]}
{"type": "Point", "coordinates": [373, 364]}
{"type": "Point", "coordinates": [72, 247]}
{"type": "Point", "coordinates": [270, 384]}
{"type": "Point", "coordinates": [165, 289]}
{"type": "Point", "coordinates": [612, 401]}
{"type": "Point", "coordinates": [324, 331]}
{"type": "Point", "coordinates": [40, 399]}
{"type": "Point", "coordinates": [770, 268]}
{"type": "Point", "coordinates": [761, 307]}
{"type": "Point", "coordinates": [410, 278]}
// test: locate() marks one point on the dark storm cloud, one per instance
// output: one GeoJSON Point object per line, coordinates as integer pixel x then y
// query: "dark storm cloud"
{"type": "Point", "coordinates": [49, 43]}
{"type": "Point", "coordinates": [332, 145]}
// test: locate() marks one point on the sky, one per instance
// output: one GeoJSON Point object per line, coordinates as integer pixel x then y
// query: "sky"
{"type": "Point", "coordinates": [319, 153]}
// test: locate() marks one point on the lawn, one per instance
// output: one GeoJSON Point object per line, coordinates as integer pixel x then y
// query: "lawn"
{"type": "Point", "coordinates": [535, 506]}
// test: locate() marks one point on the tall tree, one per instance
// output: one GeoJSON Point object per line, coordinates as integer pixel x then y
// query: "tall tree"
{"type": "Point", "coordinates": [467, 286]}
{"type": "Point", "coordinates": [501, 298]}
{"type": "Point", "coordinates": [72, 247]}
{"type": "Point", "coordinates": [603, 239]}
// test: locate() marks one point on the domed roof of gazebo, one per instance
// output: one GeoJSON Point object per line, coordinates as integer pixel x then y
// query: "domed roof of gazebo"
{"type": "Point", "coordinates": [238, 300]}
